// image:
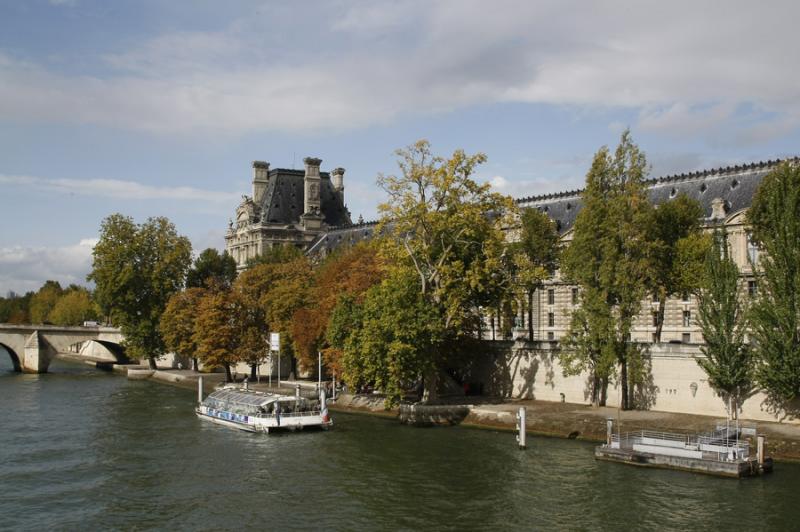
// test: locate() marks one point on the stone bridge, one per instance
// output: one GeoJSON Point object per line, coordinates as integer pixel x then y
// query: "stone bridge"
{"type": "Point", "coordinates": [33, 347]}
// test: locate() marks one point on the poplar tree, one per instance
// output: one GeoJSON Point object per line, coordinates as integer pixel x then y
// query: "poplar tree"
{"type": "Point", "coordinates": [610, 259]}
{"type": "Point", "coordinates": [774, 218]}
{"type": "Point", "coordinates": [722, 319]}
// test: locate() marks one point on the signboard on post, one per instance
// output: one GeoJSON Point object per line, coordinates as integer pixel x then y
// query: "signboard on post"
{"type": "Point", "coordinates": [275, 341]}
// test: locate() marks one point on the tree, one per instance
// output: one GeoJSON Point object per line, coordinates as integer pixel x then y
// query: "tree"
{"type": "Point", "coordinates": [774, 218]}
{"type": "Point", "coordinates": [15, 309]}
{"type": "Point", "coordinates": [610, 258]}
{"type": "Point", "coordinates": [43, 302]}
{"type": "Point", "coordinates": [216, 331]}
{"type": "Point", "coordinates": [535, 255]}
{"type": "Point", "coordinates": [728, 358]}
{"type": "Point", "coordinates": [349, 272]}
{"type": "Point", "coordinates": [276, 255]}
{"type": "Point", "coordinates": [136, 269]}
{"type": "Point", "coordinates": [73, 307]}
{"type": "Point", "coordinates": [211, 266]}
{"type": "Point", "coordinates": [178, 323]}
{"type": "Point", "coordinates": [673, 223]}
{"type": "Point", "coordinates": [447, 230]}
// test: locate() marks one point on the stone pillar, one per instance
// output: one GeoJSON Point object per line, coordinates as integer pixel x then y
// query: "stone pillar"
{"type": "Point", "coordinates": [37, 354]}
{"type": "Point", "coordinates": [260, 180]}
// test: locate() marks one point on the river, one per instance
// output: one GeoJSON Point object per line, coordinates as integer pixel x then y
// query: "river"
{"type": "Point", "coordinates": [83, 449]}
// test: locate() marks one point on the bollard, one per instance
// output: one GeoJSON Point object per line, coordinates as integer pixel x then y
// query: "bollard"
{"type": "Point", "coordinates": [760, 443]}
{"type": "Point", "coordinates": [609, 430]}
{"type": "Point", "coordinates": [200, 389]}
{"type": "Point", "coordinates": [521, 427]}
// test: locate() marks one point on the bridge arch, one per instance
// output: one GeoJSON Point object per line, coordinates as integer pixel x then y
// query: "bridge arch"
{"type": "Point", "coordinates": [14, 357]}
{"type": "Point", "coordinates": [115, 349]}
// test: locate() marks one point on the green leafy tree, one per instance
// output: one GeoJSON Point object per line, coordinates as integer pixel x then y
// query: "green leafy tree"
{"type": "Point", "coordinates": [535, 255]}
{"type": "Point", "coordinates": [211, 266]}
{"type": "Point", "coordinates": [44, 301]}
{"type": "Point", "coordinates": [728, 358]}
{"type": "Point", "coordinates": [178, 323]}
{"type": "Point", "coordinates": [276, 255]}
{"type": "Point", "coordinates": [673, 223]}
{"type": "Point", "coordinates": [136, 269]}
{"type": "Point", "coordinates": [774, 218]}
{"type": "Point", "coordinates": [73, 307]}
{"type": "Point", "coordinates": [447, 230]}
{"type": "Point", "coordinates": [610, 258]}
{"type": "Point", "coordinates": [15, 308]}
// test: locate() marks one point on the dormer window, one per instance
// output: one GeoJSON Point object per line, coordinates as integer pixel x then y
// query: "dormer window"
{"type": "Point", "coordinates": [734, 184]}
{"type": "Point", "coordinates": [703, 188]}
{"type": "Point", "coordinates": [673, 192]}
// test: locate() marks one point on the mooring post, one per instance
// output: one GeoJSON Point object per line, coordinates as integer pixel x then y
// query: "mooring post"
{"type": "Point", "coordinates": [609, 430]}
{"type": "Point", "coordinates": [760, 450]}
{"type": "Point", "coordinates": [521, 427]}
{"type": "Point", "coordinates": [200, 389]}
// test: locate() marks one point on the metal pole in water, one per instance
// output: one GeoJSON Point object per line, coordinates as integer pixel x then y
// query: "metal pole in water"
{"type": "Point", "coordinates": [521, 427]}
{"type": "Point", "coordinates": [609, 430]}
{"type": "Point", "coordinates": [200, 389]}
{"type": "Point", "coordinates": [760, 443]}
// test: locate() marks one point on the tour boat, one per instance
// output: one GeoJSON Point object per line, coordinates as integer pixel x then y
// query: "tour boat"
{"type": "Point", "coordinates": [256, 411]}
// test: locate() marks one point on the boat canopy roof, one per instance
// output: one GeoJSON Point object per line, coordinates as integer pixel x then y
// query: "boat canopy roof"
{"type": "Point", "coordinates": [248, 398]}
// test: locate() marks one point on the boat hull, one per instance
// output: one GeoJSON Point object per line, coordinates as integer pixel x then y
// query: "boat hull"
{"type": "Point", "coordinates": [264, 424]}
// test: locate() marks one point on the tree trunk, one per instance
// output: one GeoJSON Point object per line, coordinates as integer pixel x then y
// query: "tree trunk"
{"type": "Point", "coordinates": [662, 303]}
{"type": "Point", "coordinates": [623, 378]}
{"type": "Point", "coordinates": [152, 362]}
{"type": "Point", "coordinates": [430, 392]}
{"type": "Point", "coordinates": [228, 376]}
{"type": "Point", "coordinates": [603, 391]}
{"type": "Point", "coordinates": [530, 315]}
{"type": "Point", "coordinates": [595, 390]}
{"type": "Point", "coordinates": [195, 365]}
{"type": "Point", "coordinates": [253, 372]}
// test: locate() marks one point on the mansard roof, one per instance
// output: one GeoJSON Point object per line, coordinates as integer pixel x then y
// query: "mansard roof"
{"type": "Point", "coordinates": [284, 199]}
{"type": "Point", "coordinates": [346, 235]}
{"type": "Point", "coordinates": [736, 185]}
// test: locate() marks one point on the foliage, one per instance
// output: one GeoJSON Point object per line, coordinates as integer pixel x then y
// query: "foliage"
{"type": "Point", "coordinates": [276, 255]}
{"type": "Point", "coordinates": [15, 308]}
{"type": "Point", "coordinates": [690, 261]}
{"type": "Point", "coordinates": [721, 315]}
{"type": "Point", "coordinates": [44, 301]}
{"type": "Point", "coordinates": [211, 266]}
{"type": "Point", "coordinates": [610, 258]}
{"type": "Point", "coordinates": [178, 322]}
{"type": "Point", "coordinates": [391, 339]}
{"type": "Point", "coordinates": [216, 331]}
{"type": "Point", "coordinates": [346, 273]}
{"type": "Point", "coordinates": [73, 307]}
{"type": "Point", "coordinates": [447, 230]}
{"type": "Point", "coordinates": [774, 217]}
{"type": "Point", "coordinates": [675, 223]}
{"type": "Point", "coordinates": [136, 270]}
{"type": "Point", "coordinates": [535, 255]}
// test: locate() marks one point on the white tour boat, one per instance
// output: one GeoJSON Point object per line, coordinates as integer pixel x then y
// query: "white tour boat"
{"type": "Point", "coordinates": [255, 411]}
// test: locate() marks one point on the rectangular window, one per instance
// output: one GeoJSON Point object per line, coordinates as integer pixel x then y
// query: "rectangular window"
{"type": "Point", "coordinates": [551, 336]}
{"type": "Point", "coordinates": [687, 338]}
{"type": "Point", "coordinates": [551, 297]}
{"type": "Point", "coordinates": [551, 319]}
{"type": "Point", "coordinates": [752, 288]}
{"type": "Point", "coordinates": [752, 251]}
{"type": "Point", "coordinates": [655, 338]}
{"type": "Point", "coordinates": [655, 318]}
{"type": "Point", "coordinates": [574, 296]}
{"type": "Point", "coordinates": [655, 298]}
{"type": "Point", "coordinates": [685, 296]}
{"type": "Point", "coordinates": [687, 318]}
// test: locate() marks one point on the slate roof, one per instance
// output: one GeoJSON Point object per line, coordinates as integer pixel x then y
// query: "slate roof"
{"type": "Point", "coordinates": [347, 235]}
{"type": "Point", "coordinates": [283, 201]}
{"type": "Point", "coordinates": [736, 185]}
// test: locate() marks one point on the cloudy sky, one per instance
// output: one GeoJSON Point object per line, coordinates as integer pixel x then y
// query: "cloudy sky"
{"type": "Point", "coordinates": [158, 107]}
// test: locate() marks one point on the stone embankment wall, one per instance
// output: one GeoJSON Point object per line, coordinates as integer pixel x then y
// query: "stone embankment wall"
{"type": "Point", "coordinates": [677, 383]}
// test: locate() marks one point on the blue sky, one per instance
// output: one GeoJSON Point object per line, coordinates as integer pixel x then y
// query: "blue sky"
{"type": "Point", "coordinates": [158, 108]}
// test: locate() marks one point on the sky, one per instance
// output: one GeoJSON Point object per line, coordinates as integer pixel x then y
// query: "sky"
{"type": "Point", "coordinates": [158, 108]}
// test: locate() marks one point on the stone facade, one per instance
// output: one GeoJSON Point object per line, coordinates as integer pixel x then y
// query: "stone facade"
{"type": "Point", "coordinates": [724, 193]}
{"type": "Point", "coordinates": [288, 207]}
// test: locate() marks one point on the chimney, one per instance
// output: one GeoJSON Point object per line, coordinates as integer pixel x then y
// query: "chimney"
{"type": "Point", "coordinates": [717, 209]}
{"type": "Point", "coordinates": [311, 184]}
{"type": "Point", "coordinates": [260, 180]}
{"type": "Point", "coordinates": [337, 178]}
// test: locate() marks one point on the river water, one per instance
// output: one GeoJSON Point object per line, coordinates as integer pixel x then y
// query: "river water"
{"type": "Point", "coordinates": [83, 449]}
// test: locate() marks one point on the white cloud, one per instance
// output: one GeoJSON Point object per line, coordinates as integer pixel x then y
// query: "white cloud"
{"type": "Point", "coordinates": [27, 268]}
{"type": "Point", "coordinates": [686, 67]}
{"type": "Point", "coordinates": [113, 188]}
